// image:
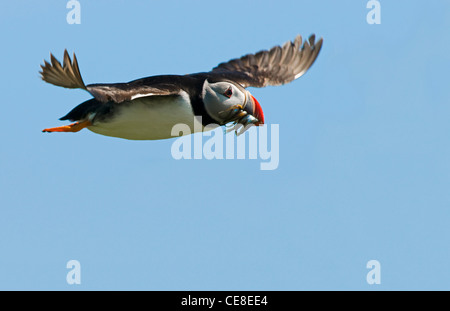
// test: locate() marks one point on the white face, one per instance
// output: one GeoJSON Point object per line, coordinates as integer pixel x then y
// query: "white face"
{"type": "Point", "coordinates": [221, 97]}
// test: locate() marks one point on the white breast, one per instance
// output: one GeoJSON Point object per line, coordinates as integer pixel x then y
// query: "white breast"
{"type": "Point", "coordinates": [149, 118]}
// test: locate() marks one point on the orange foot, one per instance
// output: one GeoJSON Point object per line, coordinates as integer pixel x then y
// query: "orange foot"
{"type": "Point", "coordinates": [74, 127]}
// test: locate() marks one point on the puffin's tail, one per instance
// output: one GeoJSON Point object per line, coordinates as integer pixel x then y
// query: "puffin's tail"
{"type": "Point", "coordinates": [68, 75]}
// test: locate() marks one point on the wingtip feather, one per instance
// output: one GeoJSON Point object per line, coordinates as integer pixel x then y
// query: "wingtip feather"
{"type": "Point", "coordinates": [65, 75]}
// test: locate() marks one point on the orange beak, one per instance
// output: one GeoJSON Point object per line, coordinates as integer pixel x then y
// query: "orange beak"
{"type": "Point", "coordinates": [257, 111]}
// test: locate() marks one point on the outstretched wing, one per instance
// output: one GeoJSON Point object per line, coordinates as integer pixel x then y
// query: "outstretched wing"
{"type": "Point", "coordinates": [68, 76]}
{"type": "Point", "coordinates": [277, 66]}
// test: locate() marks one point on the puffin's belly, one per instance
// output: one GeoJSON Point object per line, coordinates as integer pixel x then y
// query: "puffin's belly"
{"type": "Point", "coordinates": [149, 118]}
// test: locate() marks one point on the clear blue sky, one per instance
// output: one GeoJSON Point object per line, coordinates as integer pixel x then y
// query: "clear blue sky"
{"type": "Point", "coordinates": [364, 152]}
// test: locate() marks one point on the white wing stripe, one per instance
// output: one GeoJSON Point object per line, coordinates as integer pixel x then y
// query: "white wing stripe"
{"type": "Point", "coordinates": [141, 95]}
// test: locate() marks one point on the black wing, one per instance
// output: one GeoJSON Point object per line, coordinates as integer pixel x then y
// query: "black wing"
{"type": "Point", "coordinates": [120, 92]}
{"type": "Point", "coordinates": [277, 66]}
{"type": "Point", "coordinates": [68, 76]}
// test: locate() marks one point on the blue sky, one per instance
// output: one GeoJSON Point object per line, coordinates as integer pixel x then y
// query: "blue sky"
{"type": "Point", "coordinates": [364, 152]}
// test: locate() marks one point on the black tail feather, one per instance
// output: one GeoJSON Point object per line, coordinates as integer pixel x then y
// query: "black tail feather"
{"type": "Point", "coordinates": [84, 110]}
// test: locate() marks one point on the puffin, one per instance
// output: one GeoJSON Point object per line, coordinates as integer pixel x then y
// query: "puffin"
{"type": "Point", "coordinates": [148, 108]}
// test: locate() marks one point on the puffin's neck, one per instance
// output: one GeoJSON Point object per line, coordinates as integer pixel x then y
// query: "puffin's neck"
{"type": "Point", "coordinates": [198, 106]}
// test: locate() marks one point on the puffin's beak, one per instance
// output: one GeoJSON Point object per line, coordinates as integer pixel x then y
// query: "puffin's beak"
{"type": "Point", "coordinates": [254, 108]}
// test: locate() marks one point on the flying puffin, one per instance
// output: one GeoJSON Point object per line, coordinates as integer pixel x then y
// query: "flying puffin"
{"type": "Point", "coordinates": [148, 108]}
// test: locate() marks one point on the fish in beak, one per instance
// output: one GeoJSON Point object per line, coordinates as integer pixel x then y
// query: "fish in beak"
{"type": "Point", "coordinates": [253, 112]}
{"type": "Point", "coordinates": [254, 108]}
{"type": "Point", "coordinates": [250, 114]}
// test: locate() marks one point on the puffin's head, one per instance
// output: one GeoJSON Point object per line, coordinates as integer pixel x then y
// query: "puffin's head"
{"type": "Point", "coordinates": [227, 101]}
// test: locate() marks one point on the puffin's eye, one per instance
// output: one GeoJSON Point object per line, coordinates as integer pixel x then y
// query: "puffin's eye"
{"type": "Point", "coordinates": [228, 92]}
